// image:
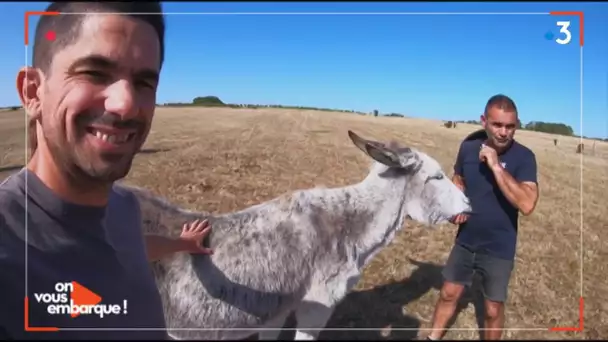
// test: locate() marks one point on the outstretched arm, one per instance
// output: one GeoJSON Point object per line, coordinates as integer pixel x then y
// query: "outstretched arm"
{"type": "Point", "coordinates": [458, 180]}
{"type": "Point", "coordinates": [190, 240]}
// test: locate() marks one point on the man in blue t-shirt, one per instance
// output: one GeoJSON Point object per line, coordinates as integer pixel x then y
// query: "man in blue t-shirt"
{"type": "Point", "coordinates": [499, 175]}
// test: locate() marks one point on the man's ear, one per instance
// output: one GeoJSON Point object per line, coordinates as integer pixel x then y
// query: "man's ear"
{"type": "Point", "coordinates": [483, 120]}
{"type": "Point", "coordinates": [29, 88]}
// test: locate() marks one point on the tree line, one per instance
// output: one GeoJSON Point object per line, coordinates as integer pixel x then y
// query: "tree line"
{"type": "Point", "coordinates": [214, 101]}
{"type": "Point", "coordinates": [545, 127]}
{"type": "Point", "coordinates": [538, 126]}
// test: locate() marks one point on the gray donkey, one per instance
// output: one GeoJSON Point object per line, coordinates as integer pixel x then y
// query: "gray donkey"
{"type": "Point", "coordinates": [299, 252]}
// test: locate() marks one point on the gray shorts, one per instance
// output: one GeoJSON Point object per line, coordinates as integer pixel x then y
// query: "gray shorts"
{"type": "Point", "coordinates": [495, 273]}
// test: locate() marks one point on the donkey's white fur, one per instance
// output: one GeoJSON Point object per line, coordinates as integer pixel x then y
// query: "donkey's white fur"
{"type": "Point", "coordinates": [301, 252]}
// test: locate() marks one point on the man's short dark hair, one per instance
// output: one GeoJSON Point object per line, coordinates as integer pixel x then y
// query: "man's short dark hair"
{"type": "Point", "coordinates": [502, 102]}
{"type": "Point", "coordinates": [67, 27]}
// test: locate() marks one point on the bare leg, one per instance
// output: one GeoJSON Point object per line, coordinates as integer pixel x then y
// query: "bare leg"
{"type": "Point", "coordinates": [494, 319]}
{"type": "Point", "coordinates": [496, 275]}
{"type": "Point", "coordinates": [444, 309]}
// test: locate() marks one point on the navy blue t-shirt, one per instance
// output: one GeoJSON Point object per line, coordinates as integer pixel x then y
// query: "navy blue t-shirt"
{"type": "Point", "coordinates": [492, 228]}
{"type": "Point", "coordinates": [100, 248]}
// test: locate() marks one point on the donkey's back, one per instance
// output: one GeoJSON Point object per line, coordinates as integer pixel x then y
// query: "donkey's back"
{"type": "Point", "coordinates": [261, 268]}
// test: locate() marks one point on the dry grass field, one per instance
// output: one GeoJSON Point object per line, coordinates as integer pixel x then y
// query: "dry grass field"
{"type": "Point", "coordinates": [221, 160]}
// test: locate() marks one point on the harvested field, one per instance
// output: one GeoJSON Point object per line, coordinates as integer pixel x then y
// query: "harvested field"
{"type": "Point", "coordinates": [220, 160]}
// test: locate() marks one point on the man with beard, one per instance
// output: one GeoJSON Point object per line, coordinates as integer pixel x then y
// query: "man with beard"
{"type": "Point", "coordinates": [90, 96]}
{"type": "Point", "coordinates": [499, 175]}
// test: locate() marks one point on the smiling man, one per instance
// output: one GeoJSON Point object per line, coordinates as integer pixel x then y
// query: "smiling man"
{"type": "Point", "coordinates": [499, 176]}
{"type": "Point", "coordinates": [90, 97]}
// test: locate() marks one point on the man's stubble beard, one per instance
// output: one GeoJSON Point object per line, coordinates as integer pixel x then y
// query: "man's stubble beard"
{"type": "Point", "coordinates": [73, 162]}
{"type": "Point", "coordinates": [492, 141]}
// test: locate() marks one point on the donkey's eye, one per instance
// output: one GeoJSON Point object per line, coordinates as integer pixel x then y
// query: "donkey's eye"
{"type": "Point", "coordinates": [438, 176]}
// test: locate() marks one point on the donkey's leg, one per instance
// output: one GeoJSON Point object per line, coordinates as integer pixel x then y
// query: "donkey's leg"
{"type": "Point", "coordinates": [311, 318]}
{"type": "Point", "coordinates": [313, 313]}
{"type": "Point", "coordinates": [276, 326]}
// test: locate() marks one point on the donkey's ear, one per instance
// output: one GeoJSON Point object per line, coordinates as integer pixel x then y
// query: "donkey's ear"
{"type": "Point", "coordinates": [376, 150]}
{"type": "Point", "coordinates": [358, 141]}
{"type": "Point", "coordinates": [382, 155]}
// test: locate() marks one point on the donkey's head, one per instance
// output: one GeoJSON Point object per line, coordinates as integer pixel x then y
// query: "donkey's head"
{"type": "Point", "coordinates": [430, 196]}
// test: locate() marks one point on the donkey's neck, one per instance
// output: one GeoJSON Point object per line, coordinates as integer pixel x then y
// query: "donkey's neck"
{"type": "Point", "coordinates": [375, 206]}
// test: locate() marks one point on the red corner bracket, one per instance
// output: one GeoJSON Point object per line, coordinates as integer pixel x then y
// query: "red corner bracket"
{"type": "Point", "coordinates": [581, 17]}
{"type": "Point", "coordinates": [27, 22]}
{"type": "Point", "coordinates": [580, 320]}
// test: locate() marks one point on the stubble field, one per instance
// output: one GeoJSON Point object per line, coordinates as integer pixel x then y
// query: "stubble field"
{"type": "Point", "coordinates": [220, 160]}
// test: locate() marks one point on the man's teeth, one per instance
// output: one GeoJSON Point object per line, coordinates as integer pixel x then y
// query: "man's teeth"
{"type": "Point", "coordinates": [112, 138]}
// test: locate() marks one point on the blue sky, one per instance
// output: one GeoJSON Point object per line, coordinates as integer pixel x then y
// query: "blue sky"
{"type": "Point", "coordinates": [443, 67]}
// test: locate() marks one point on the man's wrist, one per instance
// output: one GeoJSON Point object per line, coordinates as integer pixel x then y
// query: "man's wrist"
{"type": "Point", "coordinates": [496, 168]}
{"type": "Point", "coordinates": [181, 245]}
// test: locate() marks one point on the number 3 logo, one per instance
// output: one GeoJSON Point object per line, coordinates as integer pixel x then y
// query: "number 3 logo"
{"type": "Point", "coordinates": [564, 25]}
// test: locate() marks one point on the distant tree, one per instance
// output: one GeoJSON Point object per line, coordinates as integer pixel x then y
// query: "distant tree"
{"type": "Point", "coordinates": [208, 101]}
{"type": "Point", "coordinates": [549, 127]}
